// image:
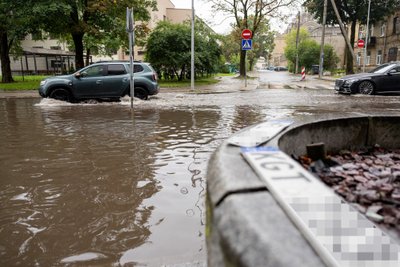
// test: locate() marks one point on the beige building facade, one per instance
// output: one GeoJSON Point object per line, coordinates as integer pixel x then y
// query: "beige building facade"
{"type": "Point", "coordinates": [383, 42]}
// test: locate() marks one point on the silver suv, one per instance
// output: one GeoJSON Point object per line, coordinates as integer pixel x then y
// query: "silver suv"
{"type": "Point", "coordinates": [103, 80]}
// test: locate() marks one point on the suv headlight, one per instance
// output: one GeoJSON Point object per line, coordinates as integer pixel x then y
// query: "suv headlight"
{"type": "Point", "coordinates": [43, 82]}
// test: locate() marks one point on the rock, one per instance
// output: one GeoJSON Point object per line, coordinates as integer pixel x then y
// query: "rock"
{"type": "Point", "coordinates": [372, 213]}
{"type": "Point", "coordinates": [360, 179]}
{"type": "Point", "coordinates": [350, 166]}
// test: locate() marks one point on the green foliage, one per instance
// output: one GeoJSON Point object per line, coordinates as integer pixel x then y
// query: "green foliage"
{"type": "Point", "coordinates": [96, 25]}
{"type": "Point", "coordinates": [17, 19]}
{"type": "Point", "coordinates": [308, 51]}
{"type": "Point", "coordinates": [355, 10]}
{"type": "Point", "coordinates": [23, 83]}
{"type": "Point", "coordinates": [169, 50]}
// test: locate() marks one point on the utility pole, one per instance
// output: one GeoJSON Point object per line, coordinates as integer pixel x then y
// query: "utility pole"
{"type": "Point", "coordinates": [321, 54]}
{"type": "Point", "coordinates": [366, 36]}
{"type": "Point", "coordinates": [344, 33]}
{"type": "Point", "coordinates": [297, 42]}
{"type": "Point", "coordinates": [192, 51]}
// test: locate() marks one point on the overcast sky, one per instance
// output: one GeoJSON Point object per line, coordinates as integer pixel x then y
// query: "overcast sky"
{"type": "Point", "coordinates": [203, 10]}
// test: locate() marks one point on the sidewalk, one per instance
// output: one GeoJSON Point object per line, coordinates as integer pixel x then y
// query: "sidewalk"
{"type": "Point", "coordinates": [227, 84]}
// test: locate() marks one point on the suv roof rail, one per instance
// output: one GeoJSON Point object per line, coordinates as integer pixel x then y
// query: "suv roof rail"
{"type": "Point", "coordinates": [116, 61]}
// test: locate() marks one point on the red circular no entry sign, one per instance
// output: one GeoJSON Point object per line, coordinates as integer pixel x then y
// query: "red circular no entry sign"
{"type": "Point", "coordinates": [247, 34]}
{"type": "Point", "coordinates": [360, 43]}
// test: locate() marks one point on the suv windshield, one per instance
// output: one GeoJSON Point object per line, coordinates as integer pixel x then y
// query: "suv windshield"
{"type": "Point", "coordinates": [382, 69]}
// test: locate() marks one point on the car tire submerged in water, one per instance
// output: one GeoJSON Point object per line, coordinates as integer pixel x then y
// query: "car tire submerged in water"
{"type": "Point", "coordinates": [61, 94]}
{"type": "Point", "coordinates": [141, 93]}
{"type": "Point", "coordinates": [366, 88]}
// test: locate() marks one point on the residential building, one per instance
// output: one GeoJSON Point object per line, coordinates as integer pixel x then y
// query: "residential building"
{"type": "Point", "coordinates": [383, 42]}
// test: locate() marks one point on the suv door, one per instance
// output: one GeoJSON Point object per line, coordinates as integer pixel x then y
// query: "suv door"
{"type": "Point", "coordinates": [117, 80]}
{"type": "Point", "coordinates": [90, 81]}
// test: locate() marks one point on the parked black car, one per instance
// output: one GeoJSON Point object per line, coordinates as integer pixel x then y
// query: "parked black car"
{"type": "Point", "coordinates": [383, 79]}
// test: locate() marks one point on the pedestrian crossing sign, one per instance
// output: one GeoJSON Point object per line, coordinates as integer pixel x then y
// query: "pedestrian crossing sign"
{"type": "Point", "coordinates": [247, 44]}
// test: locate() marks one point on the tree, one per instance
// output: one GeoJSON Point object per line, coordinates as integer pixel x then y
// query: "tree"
{"type": "Point", "coordinates": [168, 50]}
{"type": "Point", "coordinates": [308, 51]}
{"type": "Point", "coordinates": [102, 19]}
{"type": "Point", "coordinates": [350, 13]}
{"type": "Point", "coordinates": [17, 18]}
{"type": "Point", "coordinates": [249, 14]}
{"type": "Point", "coordinates": [263, 44]}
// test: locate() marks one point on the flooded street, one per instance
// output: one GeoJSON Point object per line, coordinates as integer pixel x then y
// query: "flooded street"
{"type": "Point", "coordinates": [98, 184]}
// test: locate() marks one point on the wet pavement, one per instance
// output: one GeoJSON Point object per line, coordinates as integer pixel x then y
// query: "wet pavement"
{"type": "Point", "coordinates": [100, 184]}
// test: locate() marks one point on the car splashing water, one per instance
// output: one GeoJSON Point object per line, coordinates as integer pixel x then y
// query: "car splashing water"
{"type": "Point", "coordinates": [96, 183]}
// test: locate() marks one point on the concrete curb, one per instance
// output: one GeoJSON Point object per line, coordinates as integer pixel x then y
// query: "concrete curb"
{"type": "Point", "coordinates": [245, 225]}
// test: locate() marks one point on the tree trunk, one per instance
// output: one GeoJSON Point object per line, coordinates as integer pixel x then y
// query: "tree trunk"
{"type": "Point", "coordinates": [5, 59]}
{"type": "Point", "coordinates": [87, 56]}
{"type": "Point", "coordinates": [78, 42]}
{"type": "Point", "coordinates": [350, 62]}
{"type": "Point", "coordinates": [242, 64]}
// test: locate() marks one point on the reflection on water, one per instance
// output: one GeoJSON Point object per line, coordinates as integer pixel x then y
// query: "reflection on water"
{"type": "Point", "coordinates": [97, 183]}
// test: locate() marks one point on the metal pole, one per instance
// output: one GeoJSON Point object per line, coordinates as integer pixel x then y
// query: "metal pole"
{"type": "Point", "coordinates": [321, 55]}
{"type": "Point", "coordinates": [297, 43]}
{"type": "Point", "coordinates": [130, 27]}
{"type": "Point", "coordinates": [192, 51]}
{"type": "Point", "coordinates": [245, 68]}
{"type": "Point", "coordinates": [366, 36]}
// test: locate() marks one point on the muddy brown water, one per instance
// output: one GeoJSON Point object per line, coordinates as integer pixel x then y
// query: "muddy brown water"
{"type": "Point", "coordinates": [97, 184]}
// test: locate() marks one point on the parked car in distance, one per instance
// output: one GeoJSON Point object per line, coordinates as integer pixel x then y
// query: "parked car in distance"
{"type": "Point", "coordinates": [103, 80]}
{"type": "Point", "coordinates": [383, 79]}
{"type": "Point", "coordinates": [280, 68]}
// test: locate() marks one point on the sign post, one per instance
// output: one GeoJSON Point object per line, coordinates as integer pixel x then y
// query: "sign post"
{"type": "Point", "coordinates": [130, 28]}
{"type": "Point", "coordinates": [246, 45]}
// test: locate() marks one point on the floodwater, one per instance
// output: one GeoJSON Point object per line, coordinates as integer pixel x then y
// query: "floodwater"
{"type": "Point", "coordinates": [95, 183]}
{"type": "Point", "coordinates": [100, 184]}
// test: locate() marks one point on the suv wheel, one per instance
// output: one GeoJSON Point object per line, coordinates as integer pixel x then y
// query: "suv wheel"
{"type": "Point", "coordinates": [141, 93]}
{"type": "Point", "coordinates": [61, 94]}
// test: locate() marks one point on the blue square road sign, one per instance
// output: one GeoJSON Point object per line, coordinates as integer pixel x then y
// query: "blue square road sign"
{"type": "Point", "coordinates": [247, 44]}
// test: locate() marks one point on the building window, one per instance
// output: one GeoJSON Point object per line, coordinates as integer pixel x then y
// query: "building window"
{"type": "Point", "coordinates": [379, 57]}
{"type": "Point", "coordinates": [368, 59]}
{"type": "Point", "coordinates": [371, 32]}
{"type": "Point", "coordinates": [396, 25]}
{"type": "Point", "coordinates": [383, 29]}
{"type": "Point", "coordinates": [358, 58]}
{"type": "Point", "coordinates": [392, 55]}
{"type": "Point", "coordinates": [360, 34]}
